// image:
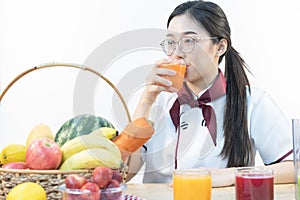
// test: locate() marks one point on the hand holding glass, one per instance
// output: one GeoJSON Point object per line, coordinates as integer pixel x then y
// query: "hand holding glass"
{"type": "Point", "coordinates": [177, 80]}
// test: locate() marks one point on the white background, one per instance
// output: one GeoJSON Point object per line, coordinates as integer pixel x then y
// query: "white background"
{"type": "Point", "coordinates": [32, 32]}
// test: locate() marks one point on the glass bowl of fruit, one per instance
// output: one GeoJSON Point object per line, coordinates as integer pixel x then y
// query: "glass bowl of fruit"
{"type": "Point", "coordinates": [116, 193]}
{"type": "Point", "coordinates": [105, 184]}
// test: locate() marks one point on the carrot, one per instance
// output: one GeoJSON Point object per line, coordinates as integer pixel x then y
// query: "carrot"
{"type": "Point", "coordinates": [134, 135]}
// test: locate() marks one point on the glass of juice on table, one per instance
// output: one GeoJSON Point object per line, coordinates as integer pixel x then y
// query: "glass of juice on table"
{"type": "Point", "coordinates": [179, 67]}
{"type": "Point", "coordinates": [296, 143]}
{"type": "Point", "coordinates": [254, 183]}
{"type": "Point", "coordinates": [191, 184]}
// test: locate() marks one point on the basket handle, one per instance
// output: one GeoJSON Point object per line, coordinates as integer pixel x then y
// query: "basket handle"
{"type": "Point", "coordinates": [81, 67]}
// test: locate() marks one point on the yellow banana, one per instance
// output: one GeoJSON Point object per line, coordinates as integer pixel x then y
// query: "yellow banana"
{"type": "Point", "coordinates": [107, 132]}
{"type": "Point", "coordinates": [91, 158]}
{"type": "Point", "coordinates": [13, 153]}
{"type": "Point", "coordinates": [83, 142]}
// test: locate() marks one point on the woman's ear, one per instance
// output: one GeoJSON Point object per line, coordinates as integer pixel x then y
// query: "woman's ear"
{"type": "Point", "coordinates": [221, 47]}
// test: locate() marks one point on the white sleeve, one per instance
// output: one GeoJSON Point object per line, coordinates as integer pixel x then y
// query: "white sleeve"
{"type": "Point", "coordinates": [270, 130]}
{"type": "Point", "coordinates": [159, 113]}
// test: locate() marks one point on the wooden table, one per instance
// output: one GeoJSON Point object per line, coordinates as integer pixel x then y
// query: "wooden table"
{"type": "Point", "coordinates": [164, 192]}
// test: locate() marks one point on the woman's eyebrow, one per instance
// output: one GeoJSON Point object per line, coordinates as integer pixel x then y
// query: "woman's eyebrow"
{"type": "Point", "coordinates": [183, 33]}
{"type": "Point", "coordinates": [189, 32]}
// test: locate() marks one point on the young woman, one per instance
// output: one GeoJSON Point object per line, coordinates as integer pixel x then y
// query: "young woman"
{"type": "Point", "coordinates": [230, 121]}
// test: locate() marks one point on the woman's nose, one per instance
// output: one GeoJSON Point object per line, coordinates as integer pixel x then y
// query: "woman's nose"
{"type": "Point", "coordinates": [177, 54]}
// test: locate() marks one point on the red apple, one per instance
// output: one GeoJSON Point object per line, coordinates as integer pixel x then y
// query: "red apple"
{"type": "Point", "coordinates": [102, 176]}
{"type": "Point", "coordinates": [75, 181]}
{"type": "Point", "coordinates": [43, 154]}
{"type": "Point", "coordinates": [90, 191]}
{"type": "Point", "coordinates": [15, 165]}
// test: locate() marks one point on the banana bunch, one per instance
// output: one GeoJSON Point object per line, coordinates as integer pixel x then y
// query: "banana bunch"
{"type": "Point", "coordinates": [92, 150]}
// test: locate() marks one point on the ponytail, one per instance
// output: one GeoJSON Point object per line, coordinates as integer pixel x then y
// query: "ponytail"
{"type": "Point", "coordinates": [237, 145]}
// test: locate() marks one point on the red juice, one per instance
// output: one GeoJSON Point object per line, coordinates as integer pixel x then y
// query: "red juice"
{"type": "Point", "coordinates": [254, 187]}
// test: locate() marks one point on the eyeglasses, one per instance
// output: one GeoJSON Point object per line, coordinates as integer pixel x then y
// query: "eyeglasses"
{"type": "Point", "coordinates": [185, 44]}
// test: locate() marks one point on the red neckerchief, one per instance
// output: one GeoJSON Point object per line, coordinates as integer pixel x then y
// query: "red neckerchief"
{"type": "Point", "coordinates": [185, 96]}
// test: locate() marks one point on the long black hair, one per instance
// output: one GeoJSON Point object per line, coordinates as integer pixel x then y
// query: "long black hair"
{"type": "Point", "coordinates": [237, 146]}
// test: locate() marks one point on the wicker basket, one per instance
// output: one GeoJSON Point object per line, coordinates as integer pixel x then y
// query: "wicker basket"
{"type": "Point", "coordinates": [49, 179]}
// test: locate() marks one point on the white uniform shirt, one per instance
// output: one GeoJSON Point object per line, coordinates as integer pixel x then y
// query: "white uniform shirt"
{"type": "Point", "coordinates": [269, 130]}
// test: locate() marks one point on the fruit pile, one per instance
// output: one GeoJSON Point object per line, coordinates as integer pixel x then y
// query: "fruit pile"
{"type": "Point", "coordinates": [83, 142]}
{"type": "Point", "coordinates": [98, 187]}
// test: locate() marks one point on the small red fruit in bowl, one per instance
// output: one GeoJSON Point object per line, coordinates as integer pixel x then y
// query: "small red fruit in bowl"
{"type": "Point", "coordinates": [75, 181]}
{"type": "Point", "coordinates": [15, 165]}
{"type": "Point", "coordinates": [90, 191]}
{"type": "Point", "coordinates": [113, 184]}
{"type": "Point", "coordinates": [117, 175]}
{"type": "Point", "coordinates": [102, 176]}
{"type": "Point", "coordinates": [112, 191]}
{"type": "Point", "coordinates": [43, 154]}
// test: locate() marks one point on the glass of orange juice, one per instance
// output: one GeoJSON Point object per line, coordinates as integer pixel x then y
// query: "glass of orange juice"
{"type": "Point", "coordinates": [192, 184]}
{"type": "Point", "coordinates": [180, 68]}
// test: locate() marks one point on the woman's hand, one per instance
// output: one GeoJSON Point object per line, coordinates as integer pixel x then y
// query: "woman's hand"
{"type": "Point", "coordinates": [222, 177]}
{"type": "Point", "coordinates": [155, 84]}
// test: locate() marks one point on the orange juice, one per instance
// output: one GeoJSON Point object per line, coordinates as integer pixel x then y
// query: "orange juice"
{"type": "Point", "coordinates": [192, 184]}
{"type": "Point", "coordinates": [177, 80]}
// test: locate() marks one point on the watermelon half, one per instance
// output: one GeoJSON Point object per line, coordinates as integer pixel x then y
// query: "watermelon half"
{"type": "Point", "coordinates": [80, 125]}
